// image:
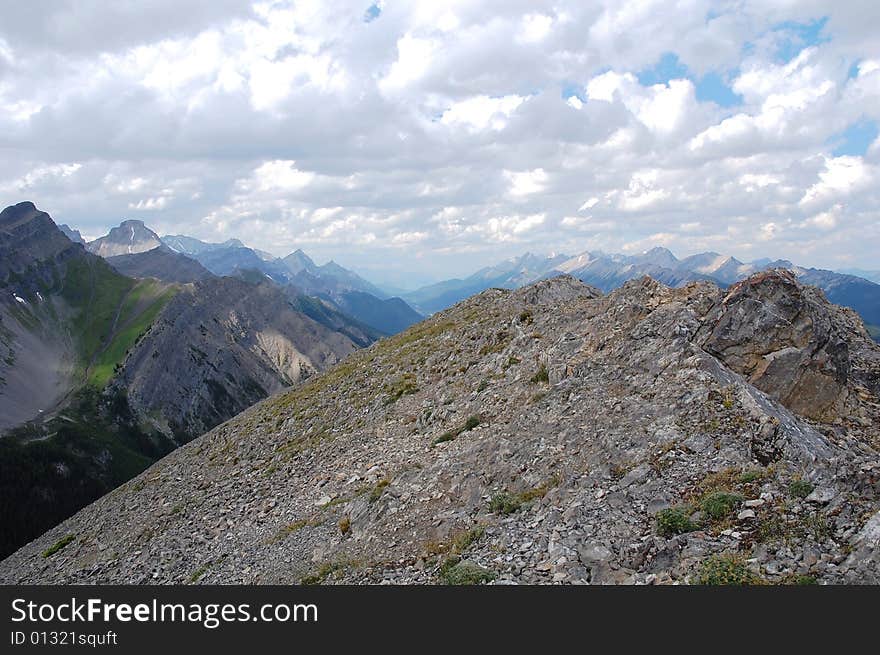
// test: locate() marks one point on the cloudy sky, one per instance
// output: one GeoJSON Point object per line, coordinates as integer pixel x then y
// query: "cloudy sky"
{"type": "Point", "coordinates": [440, 136]}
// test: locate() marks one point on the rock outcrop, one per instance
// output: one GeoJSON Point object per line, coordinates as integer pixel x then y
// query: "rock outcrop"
{"type": "Point", "coordinates": [546, 435]}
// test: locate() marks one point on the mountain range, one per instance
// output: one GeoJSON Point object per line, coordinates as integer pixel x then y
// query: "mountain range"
{"type": "Point", "coordinates": [108, 364]}
{"type": "Point", "coordinates": [539, 429]}
{"type": "Point", "coordinates": [610, 271]}
{"type": "Point", "coordinates": [135, 250]}
{"type": "Point", "coordinates": [550, 434]}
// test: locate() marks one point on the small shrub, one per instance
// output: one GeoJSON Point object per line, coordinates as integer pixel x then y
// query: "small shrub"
{"type": "Point", "coordinates": [727, 400]}
{"type": "Point", "coordinates": [504, 503]}
{"type": "Point", "coordinates": [720, 504]}
{"type": "Point", "coordinates": [800, 580]}
{"type": "Point", "coordinates": [344, 525]}
{"type": "Point", "coordinates": [526, 317]}
{"type": "Point", "coordinates": [464, 540]}
{"type": "Point", "coordinates": [541, 376]}
{"type": "Point", "coordinates": [198, 573]}
{"type": "Point", "coordinates": [405, 386]}
{"type": "Point", "coordinates": [286, 530]}
{"type": "Point", "coordinates": [455, 572]}
{"type": "Point", "coordinates": [719, 480]}
{"type": "Point", "coordinates": [727, 570]}
{"type": "Point", "coordinates": [800, 488]}
{"type": "Point", "coordinates": [471, 423]}
{"type": "Point", "coordinates": [446, 436]}
{"type": "Point", "coordinates": [813, 526]}
{"type": "Point", "coordinates": [378, 489]}
{"type": "Point", "coordinates": [484, 384]}
{"type": "Point", "coordinates": [673, 521]}
{"type": "Point", "coordinates": [323, 572]}
{"type": "Point", "coordinates": [752, 475]}
{"type": "Point", "coordinates": [58, 545]}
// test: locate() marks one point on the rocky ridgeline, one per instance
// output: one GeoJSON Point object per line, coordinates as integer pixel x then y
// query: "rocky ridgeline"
{"type": "Point", "coordinates": [549, 434]}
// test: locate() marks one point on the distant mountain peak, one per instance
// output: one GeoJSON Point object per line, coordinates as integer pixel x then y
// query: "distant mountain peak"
{"type": "Point", "coordinates": [191, 246]}
{"type": "Point", "coordinates": [19, 212]}
{"type": "Point", "coordinates": [70, 233]}
{"type": "Point", "coordinates": [298, 261]}
{"type": "Point", "coordinates": [129, 237]}
{"type": "Point", "coordinates": [28, 236]}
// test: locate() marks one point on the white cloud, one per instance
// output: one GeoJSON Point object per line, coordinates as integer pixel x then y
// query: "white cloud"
{"type": "Point", "coordinates": [509, 228]}
{"type": "Point", "coordinates": [840, 177]}
{"type": "Point", "coordinates": [277, 175]}
{"type": "Point", "coordinates": [480, 112]}
{"type": "Point", "coordinates": [535, 27]}
{"type": "Point", "coordinates": [447, 133]}
{"type": "Point", "coordinates": [413, 59]}
{"type": "Point", "coordinates": [524, 183]}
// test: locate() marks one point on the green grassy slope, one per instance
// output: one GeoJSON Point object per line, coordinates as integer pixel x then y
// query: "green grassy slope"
{"type": "Point", "coordinates": [139, 310]}
{"type": "Point", "coordinates": [50, 469]}
{"type": "Point", "coordinates": [95, 291]}
{"type": "Point", "coordinates": [111, 312]}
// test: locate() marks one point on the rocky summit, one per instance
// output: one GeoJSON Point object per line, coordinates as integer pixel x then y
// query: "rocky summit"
{"type": "Point", "coordinates": [550, 434]}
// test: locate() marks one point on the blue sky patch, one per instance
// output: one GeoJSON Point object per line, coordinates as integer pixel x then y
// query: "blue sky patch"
{"type": "Point", "coordinates": [570, 89]}
{"type": "Point", "coordinates": [797, 36]}
{"type": "Point", "coordinates": [855, 139]}
{"type": "Point", "coordinates": [710, 88]}
{"type": "Point", "coordinates": [713, 88]}
{"type": "Point", "coordinates": [668, 68]}
{"type": "Point", "coordinates": [372, 13]}
{"type": "Point", "coordinates": [853, 71]}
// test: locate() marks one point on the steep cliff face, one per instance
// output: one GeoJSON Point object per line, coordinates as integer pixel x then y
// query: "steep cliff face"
{"type": "Point", "coordinates": [220, 346]}
{"type": "Point", "coordinates": [549, 434]}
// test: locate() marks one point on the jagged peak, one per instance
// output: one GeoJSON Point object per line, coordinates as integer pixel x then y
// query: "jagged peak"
{"type": "Point", "coordinates": [25, 210]}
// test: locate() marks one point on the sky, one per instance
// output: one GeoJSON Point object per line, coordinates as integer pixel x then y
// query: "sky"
{"type": "Point", "coordinates": [437, 137]}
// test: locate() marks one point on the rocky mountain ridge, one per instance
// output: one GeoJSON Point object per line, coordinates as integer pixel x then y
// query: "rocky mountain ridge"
{"type": "Point", "coordinates": [550, 434]}
{"type": "Point", "coordinates": [609, 271]}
